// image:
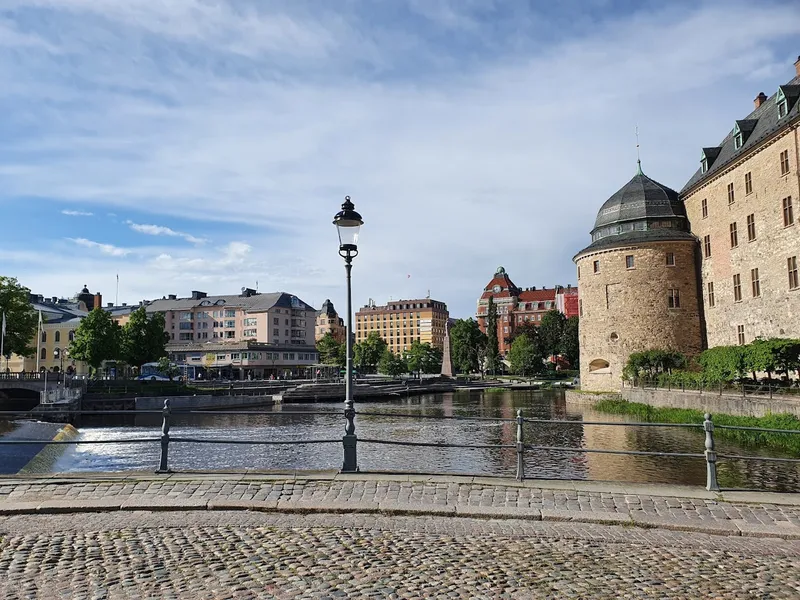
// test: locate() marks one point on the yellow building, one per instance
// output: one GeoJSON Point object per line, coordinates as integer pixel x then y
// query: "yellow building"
{"type": "Point", "coordinates": [60, 319]}
{"type": "Point", "coordinates": [402, 322]}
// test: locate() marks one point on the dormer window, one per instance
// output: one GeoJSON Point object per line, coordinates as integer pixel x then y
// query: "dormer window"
{"type": "Point", "coordinates": [783, 104]}
{"type": "Point", "coordinates": [704, 165]}
{"type": "Point", "coordinates": [738, 140]}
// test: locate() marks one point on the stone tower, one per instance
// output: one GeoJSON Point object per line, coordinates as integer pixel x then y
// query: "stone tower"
{"type": "Point", "coordinates": [637, 282]}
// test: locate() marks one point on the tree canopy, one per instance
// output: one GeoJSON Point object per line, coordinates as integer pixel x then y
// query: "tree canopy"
{"type": "Point", "coordinates": [652, 362]}
{"type": "Point", "coordinates": [330, 350]}
{"type": "Point", "coordinates": [142, 338]}
{"type": "Point", "coordinates": [96, 339]}
{"type": "Point", "coordinates": [467, 345]}
{"type": "Point", "coordinates": [392, 365]}
{"type": "Point", "coordinates": [551, 330]}
{"type": "Point", "coordinates": [525, 356]}
{"type": "Point", "coordinates": [423, 358]}
{"type": "Point", "coordinates": [369, 352]}
{"type": "Point", "coordinates": [570, 342]}
{"type": "Point", "coordinates": [492, 347]}
{"type": "Point", "coordinates": [21, 319]}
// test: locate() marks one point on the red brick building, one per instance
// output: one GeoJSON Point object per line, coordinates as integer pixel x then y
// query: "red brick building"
{"type": "Point", "coordinates": [517, 305]}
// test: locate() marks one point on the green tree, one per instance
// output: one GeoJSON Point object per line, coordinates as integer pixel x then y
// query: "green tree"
{"type": "Point", "coordinates": [527, 328]}
{"type": "Point", "coordinates": [21, 319]}
{"type": "Point", "coordinates": [423, 358]}
{"type": "Point", "coordinates": [467, 345]}
{"type": "Point", "coordinates": [392, 365]}
{"type": "Point", "coordinates": [525, 356]}
{"type": "Point", "coordinates": [96, 339]}
{"type": "Point", "coordinates": [143, 339]}
{"type": "Point", "coordinates": [723, 363]}
{"type": "Point", "coordinates": [570, 345]}
{"type": "Point", "coordinates": [653, 362]}
{"type": "Point", "coordinates": [329, 349]}
{"type": "Point", "coordinates": [369, 352]}
{"type": "Point", "coordinates": [492, 348]}
{"type": "Point", "coordinates": [773, 355]}
{"type": "Point", "coordinates": [551, 330]}
{"type": "Point", "coordinates": [167, 368]}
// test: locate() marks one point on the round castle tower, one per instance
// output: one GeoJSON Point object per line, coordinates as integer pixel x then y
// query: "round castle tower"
{"type": "Point", "coordinates": [637, 282]}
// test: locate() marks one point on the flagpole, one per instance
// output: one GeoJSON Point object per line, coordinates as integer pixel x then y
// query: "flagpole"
{"type": "Point", "coordinates": [3, 339]}
{"type": "Point", "coordinates": [38, 341]}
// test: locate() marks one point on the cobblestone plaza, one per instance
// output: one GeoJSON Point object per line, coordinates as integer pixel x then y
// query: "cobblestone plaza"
{"type": "Point", "coordinates": [329, 536]}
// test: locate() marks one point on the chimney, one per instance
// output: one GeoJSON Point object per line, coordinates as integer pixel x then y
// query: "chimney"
{"type": "Point", "coordinates": [198, 295]}
{"type": "Point", "coordinates": [40, 298]}
{"type": "Point", "coordinates": [98, 300]}
{"type": "Point", "coordinates": [172, 297]}
{"type": "Point", "coordinates": [797, 66]}
{"type": "Point", "coordinates": [124, 304]}
{"type": "Point", "coordinates": [110, 304]}
{"type": "Point", "coordinates": [760, 99]}
{"type": "Point", "coordinates": [55, 299]}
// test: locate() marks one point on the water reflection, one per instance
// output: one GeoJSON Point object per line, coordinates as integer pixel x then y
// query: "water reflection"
{"type": "Point", "coordinates": [374, 457]}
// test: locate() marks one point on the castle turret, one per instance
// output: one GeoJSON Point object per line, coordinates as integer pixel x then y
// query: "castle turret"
{"type": "Point", "coordinates": [637, 282]}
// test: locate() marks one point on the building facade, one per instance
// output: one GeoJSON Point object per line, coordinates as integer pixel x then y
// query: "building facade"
{"type": "Point", "coordinates": [717, 265]}
{"type": "Point", "coordinates": [744, 206]}
{"type": "Point", "coordinates": [402, 322]}
{"type": "Point", "coordinates": [328, 321]}
{"type": "Point", "coordinates": [516, 306]}
{"type": "Point", "coordinates": [242, 360]}
{"type": "Point", "coordinates": [247, 325]}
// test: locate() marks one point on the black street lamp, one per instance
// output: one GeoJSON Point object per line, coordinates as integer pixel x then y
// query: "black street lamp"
{"type": "Point", "coordinates": [348, 222]}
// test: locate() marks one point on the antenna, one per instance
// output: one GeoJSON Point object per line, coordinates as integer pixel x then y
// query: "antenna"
{"type": "Point", "coordinates": [116, 300]}
{"type": "Point", "coordinates": [638, 158]}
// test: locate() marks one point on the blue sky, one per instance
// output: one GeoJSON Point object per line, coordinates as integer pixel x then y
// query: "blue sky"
{"type": "Point", "coordinates": [205, 144]}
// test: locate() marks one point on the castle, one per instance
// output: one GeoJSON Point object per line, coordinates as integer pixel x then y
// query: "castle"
{"type": "Point", "coordinates": [716, 264]}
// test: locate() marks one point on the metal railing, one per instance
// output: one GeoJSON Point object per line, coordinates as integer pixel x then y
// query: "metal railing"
{"type": "Point", "coordinates": [349, 441]}
{"type": "Point", "coordinates": [762, 390]}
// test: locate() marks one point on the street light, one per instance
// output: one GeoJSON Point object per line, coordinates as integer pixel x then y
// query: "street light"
{"type": "Point", "coordinates": [348, 222]}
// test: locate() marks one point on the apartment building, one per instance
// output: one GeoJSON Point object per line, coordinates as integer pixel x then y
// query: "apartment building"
{"type": "Point", "coordinates": [328, 321]}
{"type": "Point", "coordinates": [402, 322]}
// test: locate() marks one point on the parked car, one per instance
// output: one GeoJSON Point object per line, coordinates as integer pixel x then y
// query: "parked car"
{"type": "Point", "coordinates": [152, 378]}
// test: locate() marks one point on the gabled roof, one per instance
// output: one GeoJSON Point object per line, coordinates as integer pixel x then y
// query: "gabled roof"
{"type": "Point", "coordinates": [767, 123]}
{"type": "Point", "coordinates": [502, 279]}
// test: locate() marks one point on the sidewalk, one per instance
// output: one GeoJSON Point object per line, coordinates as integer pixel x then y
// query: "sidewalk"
{"type": "Point", "coordinates": [677, 508]}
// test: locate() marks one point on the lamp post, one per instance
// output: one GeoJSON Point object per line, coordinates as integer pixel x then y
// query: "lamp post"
{"type": "Point", "coordinates": [348, 223]}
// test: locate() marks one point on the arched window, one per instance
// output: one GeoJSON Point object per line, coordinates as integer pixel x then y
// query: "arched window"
{"type": "Point", "coordinates": [71, 335]}
{"type": "Point", "coordinates": [44, 337]}
{"type": "Point", "coordinates": [43, 354]}
{"type": "Point", "coordinates": [597, 364]}
{"type": "Point", "coordinates": [58, 336]}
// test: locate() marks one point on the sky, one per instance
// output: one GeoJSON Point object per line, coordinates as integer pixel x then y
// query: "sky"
{"type": "Point", "coordinates": [207, 144]}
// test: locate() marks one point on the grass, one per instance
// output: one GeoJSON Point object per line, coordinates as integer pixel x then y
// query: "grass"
{"type": "Point", "coordinates": [653, 414]}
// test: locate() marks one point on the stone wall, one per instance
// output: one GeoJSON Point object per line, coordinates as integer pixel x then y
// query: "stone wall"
{"type": "Point", "coordinates": [729, 404]}
{"type": "Point", "coordinates": [776, 313]}
{"type": "Point", "coordinates": [203, 402]}
{"type": "Point", "coordinates": [626, 310]}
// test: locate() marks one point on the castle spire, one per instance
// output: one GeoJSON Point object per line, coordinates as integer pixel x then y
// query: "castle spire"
{"type": "Point", "coordinates": [638, 158]}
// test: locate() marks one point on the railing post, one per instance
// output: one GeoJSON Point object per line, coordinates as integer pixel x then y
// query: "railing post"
{"type": "Point", "coordinates": [163, 466]}
{"type": "Point", "coordinates": [711, 455]}
{"type": "Point", "coordinates": [770, 391]}
{"type": "Point", "coordinates": [349, 440]}
{"type": "Point", "coordinates": [520, 447]}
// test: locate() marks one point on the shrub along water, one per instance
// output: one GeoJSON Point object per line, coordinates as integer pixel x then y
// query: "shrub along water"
{"type": "Point", "coordinates": [652, 414]}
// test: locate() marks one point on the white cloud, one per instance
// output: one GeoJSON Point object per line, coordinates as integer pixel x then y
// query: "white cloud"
{"type": "Point", "coordinates": [160, 230]}
{"type": "Point", "coordinates": [261, 119]}
{"type": "Point", "coordinates": [104, 248]}
{"type": "Point", "coordinates": [76, 213]}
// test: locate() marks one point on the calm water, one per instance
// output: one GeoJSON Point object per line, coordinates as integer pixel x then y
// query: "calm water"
{"type": "Point", "coordinates": [543, 464]}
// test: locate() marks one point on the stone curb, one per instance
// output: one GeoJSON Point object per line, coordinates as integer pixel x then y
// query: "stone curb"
{"type": "Point", "coordinates": [736, 527]}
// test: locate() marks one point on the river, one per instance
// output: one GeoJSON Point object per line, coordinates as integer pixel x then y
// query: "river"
{"type": "Point", "coordinates": [373, 457]}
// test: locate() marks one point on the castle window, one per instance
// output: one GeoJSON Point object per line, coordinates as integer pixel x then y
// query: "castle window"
{"type": "Point", "coordinates": [788, 213]}
{"type": "Point", "coordinates": [740, 334]}
{"type": "Point", "coordinates": [707, 246]}
{"type": "Point", "coordinates": [794, 281]}
{"type": "Point", "coordinates": [670, 259]}
{"type": "Point", "coordinates": [748, 183]}
{"type": "Point", "coordinates": [580, 307]}
{"type": "Point", "coordinates": [629, 261]}
{"type": "Point", "coordinates": [731, 195]}
{"type": "Point", "coordinates": [737, 288]}
{"type": "Point", "coordinates": [614, 337]}
{"type": "Point", "coordinates": [579, 272]}
{"type": "Point", "coordinates": [751, 227]}
{"type": "Point", "coordinates": [711, 301]}
{"type": "Point", "coordinates": [734, 235]}
{"type": "Point", "coordinates": [673, 298]}
{"type": "Point", "coordinates": [756, 283]}
{"type": "Point", "coordinates": [785, 162]}
{"type": "Point", "coordinates": [597, 364]}
{"type": "Point", "coordinates": [704, 207]}
{"type": "Point", "coordinates": [596, 266]}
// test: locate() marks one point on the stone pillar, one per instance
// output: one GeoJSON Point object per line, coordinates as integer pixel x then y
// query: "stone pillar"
{"type": "Point", "coordinates": [448, 370]}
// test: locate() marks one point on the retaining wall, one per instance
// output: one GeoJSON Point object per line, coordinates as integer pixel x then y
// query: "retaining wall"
{"type": "Point", "coordinates": [204, 401]}
{"type": "Point", "coordinates": [748, 406]}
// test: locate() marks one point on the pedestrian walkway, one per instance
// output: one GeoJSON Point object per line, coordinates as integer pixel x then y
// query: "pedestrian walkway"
{"type": "Point", "coordinates": [326, 535]}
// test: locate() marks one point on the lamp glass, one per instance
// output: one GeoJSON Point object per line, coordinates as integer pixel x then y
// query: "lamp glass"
{"type": "Point", "coordinates": [348, 232]}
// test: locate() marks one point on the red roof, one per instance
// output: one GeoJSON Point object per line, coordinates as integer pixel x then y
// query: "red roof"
{"type": "Point", "coordinates": [537, 295]}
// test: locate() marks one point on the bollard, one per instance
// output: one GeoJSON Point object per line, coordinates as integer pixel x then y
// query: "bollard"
{"type": "Point", "coordinates": [163, 466]}
{"type": "Point", "coordinates": [349, 440]}
{"type": "Point", "coordinates": [711, 456]}
{"type": "Point", "coordinates": [520, 447]}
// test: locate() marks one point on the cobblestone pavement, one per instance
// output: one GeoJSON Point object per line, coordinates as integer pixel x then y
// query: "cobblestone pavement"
{"type": "Point", "coordinates": [672, 507]}
{"type": "Point", "coordinates": [243, 554]}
